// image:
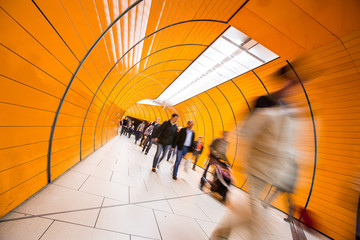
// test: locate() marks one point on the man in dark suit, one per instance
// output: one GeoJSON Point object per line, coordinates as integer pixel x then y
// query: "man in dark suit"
{"type": "Point", "coordinates": [184, 142]}
{"type": "Point", "coordinates": [164, 136]}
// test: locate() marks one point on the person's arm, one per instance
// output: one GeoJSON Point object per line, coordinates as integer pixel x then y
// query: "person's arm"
{"type": "Point", "coordinates": [159, 131]}
{"type": "Point", "coordinates": [175, 140]}
{"type": "Point", "coordinates": [192, 142]}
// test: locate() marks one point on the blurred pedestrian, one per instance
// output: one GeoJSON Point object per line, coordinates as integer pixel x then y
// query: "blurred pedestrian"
{"type": "Point", "coordinates": [124, 126]}
{"type": "Point", "coordinates": [269, 133]}
{"type": "Point", "coordinates": [184, 142]}
{"type": "Point", "coordinates": [164, 136]}
{"type": "Point", "coordinates": [197, 150]}
{"type": "Point", "coordinates": [149, 132]}
{"type": "Point", "coordinates": [139, 131]}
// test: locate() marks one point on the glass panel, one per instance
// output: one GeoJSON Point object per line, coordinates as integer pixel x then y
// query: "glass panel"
{"type": "Point", "coordinates": [236, 36]}
{"type": "Point", "coordinates": [207, 61]}
{"type": "Point", "coordinates": [247, 60]}
{"type": "Point", "coordinates": [263, 53]}
{"type": "Point", "coordinates": [236, 67]}
{"type": "Point", "coordinates": [226, 72]}
{"type": "Point", "coordinates": [224, 46]}
{"type": "Point", "coordinates": [213, 53]}
{"type": "Point", "coordinates": [148, 102]}
{"type": "Point", "coordinates": [221, 62]}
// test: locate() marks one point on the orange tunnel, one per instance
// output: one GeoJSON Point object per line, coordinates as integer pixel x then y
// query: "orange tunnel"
{"type": "Point", "coordinates": [70, 70]}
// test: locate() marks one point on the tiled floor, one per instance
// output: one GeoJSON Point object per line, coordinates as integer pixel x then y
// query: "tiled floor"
{"type": "Point", "coordinates": [112, 194]}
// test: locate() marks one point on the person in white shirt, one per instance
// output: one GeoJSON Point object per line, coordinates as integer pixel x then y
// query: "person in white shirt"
{"type": "Point", "coordinates": [184, 141]}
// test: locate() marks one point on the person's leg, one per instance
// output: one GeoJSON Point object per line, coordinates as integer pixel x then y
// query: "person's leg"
{"type": "Point", "coordinates": [156, 157]}
{"type": "Point", "coordinates": [145, 143]}
{"type": "Point", "coordinates": [180, 154]}
{"type": "Point", "coordinates": [165, 152]}
{"type": "Point", "coordinates": [291, 208]}
{"type": "Point", "coordinates": [230, 221]}
{"type": "Point", "coordinates": [223, 229]}
{"type": "Point", "coordinates": [142, 140]}
{"type": "Point", "coordinates": [196, 159]}
{"type": "Point", "coordinates": [187, 161]}
{"type": "Point", "coordinates": [136, 137]}
{"type": "Point", "coordinates": [174, 155]}
{"type": "Point", "coordinates": [169, 154]}
{"type": "Point", "coordinates": [148, 147]}
{"type": "Point", "coordinates": [256, 187]}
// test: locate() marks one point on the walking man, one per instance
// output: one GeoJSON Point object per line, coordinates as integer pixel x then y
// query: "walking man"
{"type": "Point", "coordinates": [164, 137]}
{"type": "Point", "coordinates": [184, 142]}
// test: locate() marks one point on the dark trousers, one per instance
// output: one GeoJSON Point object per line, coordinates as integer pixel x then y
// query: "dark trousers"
{"type": "Point", "coordinates": [142, 140]}
{"type": "Point", "coordinates": [138, 136]}
{"type": "Point", "coordinates": [161, 148]}
{"type": "Point", "coordinates": [130, 132]}
{"type": "Point", "coordinates": [196, 154]}
{"type": "Point", "coordinates": [172, 152]}
{"type": "Point", "coordinates": [123, 130]}
{"type": "Point", "coordinates": [147, 144]}
{"type": "Point", "coordinates": [180, 155]}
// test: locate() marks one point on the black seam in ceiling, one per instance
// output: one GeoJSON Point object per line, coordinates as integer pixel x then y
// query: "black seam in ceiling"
{"type": "Point", "coordinates": [116, 104]}
{"type": "Point", "coordinates": [182, 45]}
{"type": "Point", "coordinates": [143, 70]}
{"type": "Point", "coordinates": [238, 10]}
{"type": "Point", "coordinates": [55, 29]}
{"type": "Point", "coordinates": [136, 82]}
{"type": "Point", "coordinates": [197, 127]}
{"type": "Point", "coordinates": [222, 121]}
{"type": "Point", "coordinates": [115, 99]}
{"type": "Point", "coordinates": [202, 119]}
{"type": "Point", "coordinates": [70, 83]}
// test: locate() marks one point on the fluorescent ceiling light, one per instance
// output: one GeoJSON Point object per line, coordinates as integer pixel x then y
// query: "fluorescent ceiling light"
{"type": "Point", "coordinates": [149, 102]}
{"type": "Point", "coordinates": [230, 56]}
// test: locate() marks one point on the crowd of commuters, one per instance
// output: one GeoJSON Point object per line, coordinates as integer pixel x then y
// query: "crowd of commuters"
{"type": "Point", "coordinates": [270, 158]}
{"type": "Point", "coordinates": [171, 140]}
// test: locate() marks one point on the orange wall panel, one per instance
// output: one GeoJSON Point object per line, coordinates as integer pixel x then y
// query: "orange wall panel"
{"type": "Point", "coordinates": [42, 49]}
{"type": "Point", "coordinates": [15, 196]}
